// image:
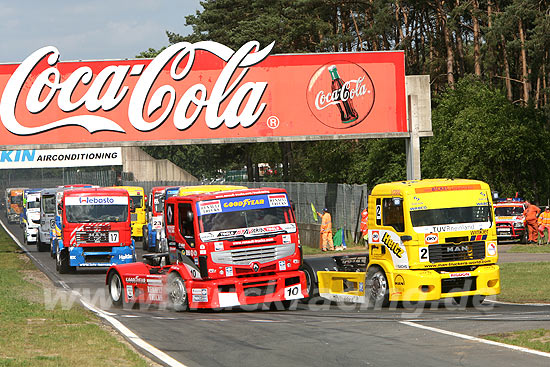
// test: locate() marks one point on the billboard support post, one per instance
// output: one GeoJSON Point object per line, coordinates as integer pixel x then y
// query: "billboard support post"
{"type": "Point", "coordinates": [419, 118]}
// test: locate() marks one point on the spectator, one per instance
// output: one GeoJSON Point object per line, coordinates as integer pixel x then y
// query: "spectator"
{"type": "Point", "coordinates": [326, 230]}
{"type": "Point", "coordinates": [531, 213]}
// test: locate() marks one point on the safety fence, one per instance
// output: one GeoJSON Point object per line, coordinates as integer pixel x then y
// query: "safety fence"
{"type": "Point", "coordinates": [344, 203]}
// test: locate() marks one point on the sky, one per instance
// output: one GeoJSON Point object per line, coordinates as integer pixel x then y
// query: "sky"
{"type": "Point", "coordinates": [90, 29]}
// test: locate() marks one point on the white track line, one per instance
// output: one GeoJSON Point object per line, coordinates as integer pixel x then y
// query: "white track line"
{"type": "Point", "coordinates": [473, 338]}
{"type": "Point", "coordinates": [127, 333]}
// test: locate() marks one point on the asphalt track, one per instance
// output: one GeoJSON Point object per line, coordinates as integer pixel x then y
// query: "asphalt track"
{"type": "Point", "coordinates": [319, 334]}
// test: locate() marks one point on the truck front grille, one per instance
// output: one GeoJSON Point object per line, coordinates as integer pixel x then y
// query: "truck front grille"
{"type": "Point", "coordinates": [92, 237]}
{"type": "Point", "coordinates": [260, 254]}
{"type": "Point", "coordinates": [457, 252]}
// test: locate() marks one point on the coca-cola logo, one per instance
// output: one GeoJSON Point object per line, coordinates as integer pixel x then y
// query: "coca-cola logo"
{"type": "Point", "coordinates": [40, 86]}
{"type": "Point", "coordinates": [340, 94]}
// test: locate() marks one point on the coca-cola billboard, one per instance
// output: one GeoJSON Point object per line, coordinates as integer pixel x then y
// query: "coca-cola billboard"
{"type": "Point", "coordinates": [201, 92]}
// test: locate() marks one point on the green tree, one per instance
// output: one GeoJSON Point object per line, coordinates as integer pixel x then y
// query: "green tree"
{"type": "Point", "coordinates": [479, 134]}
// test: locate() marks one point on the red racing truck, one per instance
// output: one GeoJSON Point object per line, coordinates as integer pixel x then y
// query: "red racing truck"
{"type": "Point", "coordinates": [232, 248]}
{"type": "Point", "coordinates": [95, 229]}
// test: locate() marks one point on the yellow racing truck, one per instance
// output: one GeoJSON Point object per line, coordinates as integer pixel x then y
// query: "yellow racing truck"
{"type": "Point", "coordinates": [427, 240]}
{"type": "Point", "coordinates": [137, 209]}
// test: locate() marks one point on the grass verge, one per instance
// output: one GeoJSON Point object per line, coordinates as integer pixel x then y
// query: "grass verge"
{"type": "Point", "coordinates": [530, 249]}
{"type": "Point", "coordinates": [31, 335]}
{"type": "Point", "coordinates": [525, 282]}
{"type": "Point", "coordinates": [538, 339]}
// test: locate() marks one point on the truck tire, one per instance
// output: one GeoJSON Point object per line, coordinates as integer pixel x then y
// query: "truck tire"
{"type": "Point", "coordinates": [42, 247]}
{"type": "Point", "coordinates": [177, 292]}
{"type": "Point", "coordinates": [376, 287]}
{"type": "Point", "coordinates": [62, 262]}
{"type": "Point", "coordinates": [145, 241]}
{"type": "Point", "coordinates": [116, 290]}
{"type": "Point", "coordinates": [311, 266]}
{"type": "Point", "coordinates": [311, 281]}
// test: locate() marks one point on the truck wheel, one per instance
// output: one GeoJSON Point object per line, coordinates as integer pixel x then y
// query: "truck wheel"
{"type": "Point", "coordinates": [42, 247]}
{"type": "Point", "coordinates": [116, 289]}
{"type": "Point", "coordinates": [177, 292]}
{"type": "Point", "coordinates": [312, 286]}
{"type": "Point", "coordinates": [62, 261]}
{"type": "Point", "coordinates": [145, 241]}
{"type": "Point", "coordinates": [376, 287]}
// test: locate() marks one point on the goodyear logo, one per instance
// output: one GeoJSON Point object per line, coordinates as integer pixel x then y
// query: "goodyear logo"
{"type": "Point", "coordinates": [392, 245]}
{"type": "Point", "coordinates": [244, 203]}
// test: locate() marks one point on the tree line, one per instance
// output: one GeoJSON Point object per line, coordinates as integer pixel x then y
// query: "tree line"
{"type": "Point", "coordinates": [489, 66]}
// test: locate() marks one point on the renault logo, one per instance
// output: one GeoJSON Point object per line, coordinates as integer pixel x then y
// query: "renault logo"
{"type": "Point", "coordinates": [255, 266]}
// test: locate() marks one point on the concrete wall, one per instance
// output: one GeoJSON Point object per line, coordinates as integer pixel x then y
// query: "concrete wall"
{"type": "Point", "coordinates": [146, 168]}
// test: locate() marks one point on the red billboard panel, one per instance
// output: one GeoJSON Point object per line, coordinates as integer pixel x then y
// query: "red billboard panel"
{"type": "Point", "coordinates": [201, 92]}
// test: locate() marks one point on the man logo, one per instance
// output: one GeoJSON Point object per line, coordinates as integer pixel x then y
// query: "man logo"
{"type": "Point", "coordinates": [431, 238]}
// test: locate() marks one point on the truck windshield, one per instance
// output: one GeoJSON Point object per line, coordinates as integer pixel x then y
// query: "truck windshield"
{"type": "Point", "coordinates": [48, 204]}
{"type": "Point", "coordinates": [508, 211]}
{"type": "Point", "coordinates": [137, 201]}
{"type": "Point", "coordinates": [468, 214]}
{"type": "Point", "coordinates": [33, 204]}
{"type": "Point", "coordinates": [245, 219]}
{"type": "Point", "coordinates": [16, 199]}
{"type": "Point", "coordinates": [158, 201]}
{"type": "Point", "coordinates": [96, 213]}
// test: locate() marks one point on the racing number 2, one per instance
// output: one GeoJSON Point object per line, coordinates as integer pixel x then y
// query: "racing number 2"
{"type": "Point", "coordinates": [424, 254]}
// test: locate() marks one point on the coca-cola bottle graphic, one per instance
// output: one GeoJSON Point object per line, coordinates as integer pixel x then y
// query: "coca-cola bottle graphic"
{"type": "Point", "coordinates": [345, 105]}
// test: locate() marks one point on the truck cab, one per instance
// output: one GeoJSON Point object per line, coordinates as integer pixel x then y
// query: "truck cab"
{"type": "Point", "coordinates": [155, 208]}
{"type": "Point", "coordinates": [95, 229]}
{"type": "Point", "coordinates": [14, 204]}
{"type": "Point", "coordinates": [137, 209]}
{"type": "Point", "coordinates": [47, 217]}
{"type": "Point", "coordinates": [31, 215]}
{"type": "Point", "coordinates": [510, 220]}
{"type": "Point", "coordinates": [427, 240]}
{"type": "Point", "coordinates": [230, 248]}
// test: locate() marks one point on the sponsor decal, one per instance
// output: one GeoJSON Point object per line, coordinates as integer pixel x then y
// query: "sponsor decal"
{"type": "Point", "coordinates": [130, 291]}
{"type": "Point", "coordinates": [96, 200]}
{"type": "Point", "coordinates": [125, 257]}
{"type": "Point", "coordinates": [199, 298]}
{"type": "Point", "coordinates": [286, 238]}
{"type": "Point", "coordinates": [202, 252]}
{"type": "Point", "coordinates": [399, 281]}
{"type": "Point", "coordinates": [218, 246]}
{"type": "Point", "coordinates": [154, 281]}
{"type": "Point", "coordinates": [243, 203]}
{"type": "Point", "coordinates": [424, 190]}
{"type": "Point", "coordinates": [282, 265]}
{"type": "Point", "coordinates": [228, 271]}
{"type": "Point", "coordinates": [392, 245]}
{"type": "Point", "coordinates": [202, 291]}
{"type": "Point", "coordinates": [157, 290]}
{"type": "Point", "coordinates": [44, 158]}
{"type": "Point", "coordinates": [209, 207]}
{"type": "Point", "coordinates": [277, 200]}
{"type": "Point", "coordinates": [155, 297]}
{"type": "Point", "coordinates": [460, 275]}
{"type": "Point", "coordinates": [491, 249]}
{"type": "Point", "coordinates": [375, 236]}
{"type": "Point", "coordinates": [431, 238]}
{"type": "Point", "coordinates": [478, 237]}
{"type": "Point", "coordinates": [135, 279]}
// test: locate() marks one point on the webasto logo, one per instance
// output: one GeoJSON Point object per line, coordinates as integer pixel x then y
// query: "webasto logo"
{"type": "Point", "coordinates": [93, 200]}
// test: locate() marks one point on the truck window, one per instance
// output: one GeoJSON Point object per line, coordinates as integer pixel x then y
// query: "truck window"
{"type": "Point", "coordinates": [48, 203]}
{"type": "Point", "coordinates": [392, 214]}
{"type": "Point", "coordinates": [185, 215]}
{"type": "Point", "coordinates": [137, 201]}
{"type": "Point", "coordinates": [508, 211]}
{"type": "Point", "coordinates": [467, 214]}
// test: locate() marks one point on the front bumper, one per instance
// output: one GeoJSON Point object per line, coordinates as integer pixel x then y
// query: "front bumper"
{"type": "Point", "coordinates": [429, 285]}
{"type": "Point", "coordinates": [98, 257]}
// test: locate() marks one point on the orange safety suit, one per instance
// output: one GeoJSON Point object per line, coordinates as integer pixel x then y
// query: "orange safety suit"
{"type": "Point", "coordinates": [326, 231]}
{"type": "Point", "coordinates": [531, 213]}
{"type": "Point", "coordinates": [365, 223]}
{"type": "Point", "coordinates": [544, 221]}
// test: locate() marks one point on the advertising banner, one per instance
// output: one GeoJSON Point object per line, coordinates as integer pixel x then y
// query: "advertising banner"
{"type": "Point", "coordinates": [44, 158]}
{"type": "Point", "coordinates": [201, 92]}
